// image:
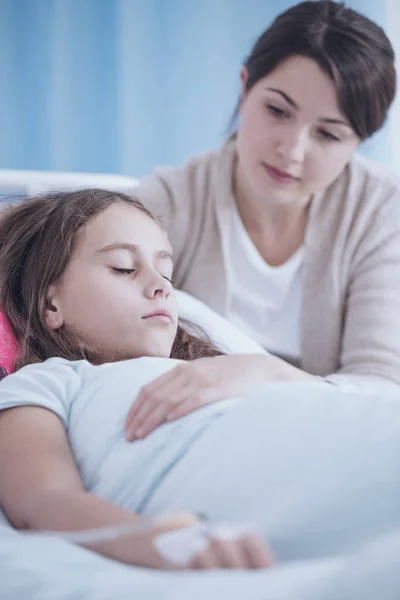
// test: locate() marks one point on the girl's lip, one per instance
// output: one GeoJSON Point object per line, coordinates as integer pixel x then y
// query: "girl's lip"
{"type": "Point", "coordinates": [278, 175]}
{"type": "Point", "coordinates": [161, 314]}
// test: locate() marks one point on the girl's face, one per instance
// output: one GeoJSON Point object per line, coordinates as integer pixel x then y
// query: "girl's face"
{"type": "Point", "coordinates": [293, 139]}
{"type": "Point", "coordinates": [115, 295]}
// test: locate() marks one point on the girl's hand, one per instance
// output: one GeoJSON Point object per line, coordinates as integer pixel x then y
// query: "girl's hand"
{"type": "Point", "coordinates": [194, 384]}
{"type": "Point", "coordinates": [177, 537]}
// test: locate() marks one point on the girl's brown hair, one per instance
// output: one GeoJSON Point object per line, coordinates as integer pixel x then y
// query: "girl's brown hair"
{"type": "Point", "coordinates": [37, 237]}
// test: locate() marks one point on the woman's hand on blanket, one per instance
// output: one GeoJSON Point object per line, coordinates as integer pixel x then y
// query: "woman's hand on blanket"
{"type": "Point", "coordinates": [194, 384]}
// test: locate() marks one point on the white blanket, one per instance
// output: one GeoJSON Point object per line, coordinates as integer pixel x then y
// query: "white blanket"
{"type": "Point", "coordinates": [316, 470]}
{"type": "Point", "coordinates": [51, 569]}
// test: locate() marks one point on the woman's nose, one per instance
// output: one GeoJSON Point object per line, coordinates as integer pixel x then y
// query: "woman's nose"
{"type": "Point", "coordinates": [293, 146]}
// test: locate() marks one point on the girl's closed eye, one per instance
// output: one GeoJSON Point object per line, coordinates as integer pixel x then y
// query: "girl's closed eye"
{"type": "Point", "coordinates": [123, 271]}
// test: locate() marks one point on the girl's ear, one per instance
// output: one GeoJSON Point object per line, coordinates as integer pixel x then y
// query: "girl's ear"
{"type": "Point", "coordinates": [52, 311]}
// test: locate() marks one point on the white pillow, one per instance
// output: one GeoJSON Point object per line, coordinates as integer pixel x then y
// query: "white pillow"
{"type": "Point", "coordinates": [224, 334]}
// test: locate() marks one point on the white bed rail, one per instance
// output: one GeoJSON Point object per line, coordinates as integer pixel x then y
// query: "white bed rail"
{"type": "Point", "coordinates": [36, 182]}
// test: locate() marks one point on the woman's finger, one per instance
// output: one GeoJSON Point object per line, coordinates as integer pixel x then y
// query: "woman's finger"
{"type": "Point", "coordinates": [195, 399]}
{"type": "Point", "coordinates": [154, 408]}
{"type": "Point", "coordinates": [186, 396]}
{"type": "Point", "coordinates": [156, 418]}
{"type": "Point", "coordinates": [146, 402]}
{"type": "Point", "coordinates": [148, 406]}
{"type": "Point", "coordinates": [170, 396]}
{"type": "Point", "coordinates": [165, 385]}
{"type": "Point", "coordinates": [150, 389]}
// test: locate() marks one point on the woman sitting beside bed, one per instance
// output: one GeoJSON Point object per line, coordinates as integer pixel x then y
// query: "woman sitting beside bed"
{"type": "Point", "coordinates": [85, 279]}
{"type": "Point", "coordinates": [285, 229]}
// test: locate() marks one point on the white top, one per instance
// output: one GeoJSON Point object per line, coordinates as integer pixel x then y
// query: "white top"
{"type": "Point", "coordinates": [264, 300]}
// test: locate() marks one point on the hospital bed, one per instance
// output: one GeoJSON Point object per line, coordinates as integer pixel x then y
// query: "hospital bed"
{"type": "Point", "coordinates": [41, 568]}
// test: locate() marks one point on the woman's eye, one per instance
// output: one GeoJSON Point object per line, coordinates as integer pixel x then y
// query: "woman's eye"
{"type": "Point", "coordinates": [277, 112]}
{"type": "Point", "coordinates": [168, 279]}
{"type": "Point", "coordinates": [328, 136]}
{"type": "Point", "coordinates": [123, 271]}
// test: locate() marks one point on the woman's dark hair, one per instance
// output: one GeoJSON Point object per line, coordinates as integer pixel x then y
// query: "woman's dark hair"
{"type": "Point", "coordinates": [353, 50]}
{"type": "Point", "coordinates": [37, 238]}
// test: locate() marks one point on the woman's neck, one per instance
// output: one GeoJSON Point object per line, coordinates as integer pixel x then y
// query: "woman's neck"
{"type": "Point", "coordinates": [276, 229]}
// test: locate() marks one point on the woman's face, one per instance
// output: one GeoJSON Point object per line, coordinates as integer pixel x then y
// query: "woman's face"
{"type": "Point", "coordinates": [115, 294]}
{"type": "Point", "coordinates": [293, 140]}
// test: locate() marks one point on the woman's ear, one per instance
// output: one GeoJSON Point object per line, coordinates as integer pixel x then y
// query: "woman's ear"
{"type": "Point", "coordinates": [244, 76]}
{"type": "Point", "coordinates": [52, 312]}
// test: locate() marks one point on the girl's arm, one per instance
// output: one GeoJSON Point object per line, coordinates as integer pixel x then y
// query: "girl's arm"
{"type": "Point", "coordinates": [41, 490]}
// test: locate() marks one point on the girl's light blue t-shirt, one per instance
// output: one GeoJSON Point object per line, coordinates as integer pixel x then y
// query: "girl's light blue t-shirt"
{"type": "Point", "coordinates": [93, 402]}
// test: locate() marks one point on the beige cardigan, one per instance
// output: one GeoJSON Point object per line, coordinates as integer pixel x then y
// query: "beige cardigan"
{"type": "Point", "coordinates": [350, 312]}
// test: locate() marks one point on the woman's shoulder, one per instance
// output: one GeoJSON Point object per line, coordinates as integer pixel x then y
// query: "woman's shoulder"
{"type": "Point", "coordinates": [198, 163]}
{"type": "Point", "coordinates": [187, 183]}
{"type": "Point", "coordinates": [374, 172]}
{"type": "Point", "coordinates": [370, 182]}
{"type": "Point", "coordinates": [358, 212]}
{"type": "Point", "coordinates": [365, 195]}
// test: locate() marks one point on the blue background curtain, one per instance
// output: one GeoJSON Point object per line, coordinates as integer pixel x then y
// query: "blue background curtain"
{"type": "Point", "coordinates": [120, 86]}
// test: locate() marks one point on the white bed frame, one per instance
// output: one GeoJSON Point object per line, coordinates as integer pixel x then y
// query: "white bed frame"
{"type": "Point", "coordinates": [36, 182]}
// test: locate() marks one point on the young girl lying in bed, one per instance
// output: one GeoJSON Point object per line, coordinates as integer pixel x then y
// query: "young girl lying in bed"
{"type": "Point", "coordinates": [85, 279]}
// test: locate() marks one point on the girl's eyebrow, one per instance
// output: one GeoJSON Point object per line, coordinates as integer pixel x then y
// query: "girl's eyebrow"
{"type": "Point", "coordinates": [133, 249]}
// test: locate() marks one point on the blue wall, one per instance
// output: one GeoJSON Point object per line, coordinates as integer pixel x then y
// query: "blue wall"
{"type": "Point", "coordinates": [123, 85]}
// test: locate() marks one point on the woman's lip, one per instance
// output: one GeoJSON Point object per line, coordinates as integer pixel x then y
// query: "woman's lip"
{"type": "Point", "coordinates": [278, 175]}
